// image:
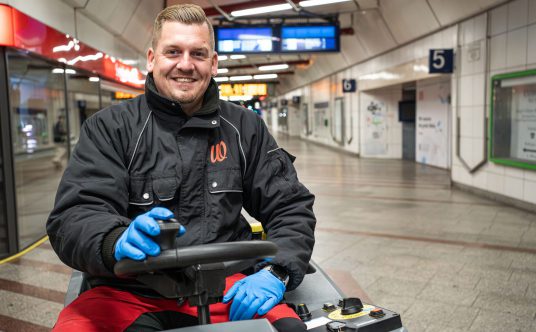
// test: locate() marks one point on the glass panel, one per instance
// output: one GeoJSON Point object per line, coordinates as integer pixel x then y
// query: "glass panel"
{"type": "Point", "coordinates": [3, 220]}
{"type": "Point", "coordinates": [113, 93]}
{"type": "Point", "coordinates": [83, 99]}
{"type": "Point", "coordinates": [514, 119]}
{"type": "Point", "coordinates": [37, 108]}
{"type": "Point", "coordinates": [338, 120]}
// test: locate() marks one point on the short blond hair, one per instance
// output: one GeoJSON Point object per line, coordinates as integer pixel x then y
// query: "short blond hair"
{"type": "Point", "coordinates": [182, 13]}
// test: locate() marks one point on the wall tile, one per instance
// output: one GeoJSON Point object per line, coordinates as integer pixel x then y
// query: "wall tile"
{"type": "Point", "coordinates": [513, 187]}
{"type": "Point", "coordinates": [516, 47]}
{"type": "Point", "coordinates": [478, 151]}
{"type": "Point", "coordinates": [459, 174]}
{"type": "Point", "coordinates": [529, 175]}
{"type": "Point", "coordinates": [480, 179]}
{"type": "Point", "coordinates": [480, 26]}
{"type": "Point", "coordinates": [466, 89]}
{"type": "Point", "coordinates": [529, 191]}
{"type": "Point", "coordinates": [478, 89]}
{"type": "Point", "coordinates": [498, 51]}
{"type": "Point", "coordinates": [466, 150]}
{"type": "Point", "coordinates": [532, 12]}
{"type": "Point", "coordinates": [479, 122]}
{"type": "Point", "coordinates": [531, 51]}
{"type": "Point", "coordinates": [514, 172]}
{"type": "Point", "coordinates": [495, 168]}
{"type": "Point", "coordinates": [517, 14]}
{"type": "Point", "coordinates": [499, 20]}
{"type": "Point", "coordinates": [496, 183]}
{"type": "Point", "coordinates": [466, 121]}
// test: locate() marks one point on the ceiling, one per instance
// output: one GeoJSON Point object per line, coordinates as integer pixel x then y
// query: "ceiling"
{"type": "Point", "coordinates": [369, 27]}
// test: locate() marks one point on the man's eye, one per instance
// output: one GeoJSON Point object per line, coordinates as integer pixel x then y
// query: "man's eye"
{"type": "Point", "coordinates": [172, 52]}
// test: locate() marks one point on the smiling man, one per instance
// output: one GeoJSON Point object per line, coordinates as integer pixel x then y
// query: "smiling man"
{"type": "Point", "coordinates": [178, 151]}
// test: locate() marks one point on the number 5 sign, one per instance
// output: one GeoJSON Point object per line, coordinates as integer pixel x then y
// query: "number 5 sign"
{"type": "Point", "coordinates": [440, 61]}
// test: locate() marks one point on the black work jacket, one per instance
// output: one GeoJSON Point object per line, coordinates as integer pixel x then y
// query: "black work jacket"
{"type": "Point", "coordinates": [146, 152]}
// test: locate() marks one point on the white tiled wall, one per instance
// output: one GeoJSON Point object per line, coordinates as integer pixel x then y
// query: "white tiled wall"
{"type": "Point", "coordinates": [512, 47]}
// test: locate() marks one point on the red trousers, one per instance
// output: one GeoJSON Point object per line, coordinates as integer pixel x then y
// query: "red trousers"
{"type": "Point", "coordinates": [109, 309]}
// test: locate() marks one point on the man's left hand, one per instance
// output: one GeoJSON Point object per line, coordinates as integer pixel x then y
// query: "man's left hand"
{"type": "Point", "coordinates": [255, 294]}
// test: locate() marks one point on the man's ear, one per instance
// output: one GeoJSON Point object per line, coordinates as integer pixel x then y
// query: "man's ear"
{"type": "Point", "coordinates": [150, 60]}
{"type": "Point", "coordinates": [214, 64]}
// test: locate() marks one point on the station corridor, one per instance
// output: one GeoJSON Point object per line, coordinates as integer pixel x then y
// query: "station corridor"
{"type": "Point", "coordinates": [391, 232]}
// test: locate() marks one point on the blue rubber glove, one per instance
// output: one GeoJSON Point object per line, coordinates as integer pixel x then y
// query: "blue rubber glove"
{"type": "Point", "coordinates": [135, 242]}
{"type": "Point", "coordinates": [255, 294]}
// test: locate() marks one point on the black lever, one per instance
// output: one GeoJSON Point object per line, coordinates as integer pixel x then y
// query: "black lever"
{"type": "Point", "coordinates": [168, 232]}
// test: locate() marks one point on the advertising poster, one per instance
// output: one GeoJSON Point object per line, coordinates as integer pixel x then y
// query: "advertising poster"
{"type": "Point", "coordinates": [433, 104]}
{"type": "Point", "coordinates": [524, 122]}
{"type": "Point", "coordinates": [375, 129]}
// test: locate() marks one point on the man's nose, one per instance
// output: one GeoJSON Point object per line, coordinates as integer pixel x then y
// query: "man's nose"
{"type": "Point", "coordinates": [185, 63]}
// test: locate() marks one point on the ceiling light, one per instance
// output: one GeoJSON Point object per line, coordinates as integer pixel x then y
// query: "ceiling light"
{"type": "Point", "coordinates": [261, 10]}
{"type": "Point", "coordinates": [241, 78]}
{"type": "Point", "coordinates": [221, 79]}
{"type": "Point", "coordinates": [222, 57]}
{"type": "Point", "coordinates": [61, 71]}
{"type": "Point", "coordinates": [223, 70]}
{"type": "Point", "coordinates": [238, 56]}
{"type": "Point", "coordinates": [273, 67]}
{"type": "Point", "coordinates": [311, 3]}
{"type": "Point", "coordinates": [264, 76]}
{"type": "Point", "coordinates": [94, 79]}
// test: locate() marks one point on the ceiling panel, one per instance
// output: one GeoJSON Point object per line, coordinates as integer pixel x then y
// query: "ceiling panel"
{"type": "Point", "coordinates": [114, 14]}
{"type": "Point", "coordinates": [140, 27]}
{"type": "Point", "coordinates": [408, 19]}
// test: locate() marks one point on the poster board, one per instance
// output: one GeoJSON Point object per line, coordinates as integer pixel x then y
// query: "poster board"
{"type": "Point", "coordinates": [513, 119]}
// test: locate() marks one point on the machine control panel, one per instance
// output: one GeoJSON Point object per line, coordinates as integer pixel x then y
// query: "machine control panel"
{"type": "Point", "coordinates": [350, 314]}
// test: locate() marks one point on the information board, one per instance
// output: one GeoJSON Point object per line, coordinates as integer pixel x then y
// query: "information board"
{"type": "Point", "coordinates": [513, 119]}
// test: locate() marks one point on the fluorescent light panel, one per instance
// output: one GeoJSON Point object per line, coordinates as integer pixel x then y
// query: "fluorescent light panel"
{"type": "Point", "coordinates": [237, 56]}
{"type": "Point", "coordinates": [311, 3]}
{"type": "Point", "coordinates": [261, 10]}
{"type": "Point", "coordinates": [221, 79]}
{"type": "Point", "coordinates": [273, 67]}
{"type": "Point", "coordinates": [223, 70]}
{"type": "Point", "coordinates": [264, 76]}
{"type": "Point", "coordinates": [241, 78]}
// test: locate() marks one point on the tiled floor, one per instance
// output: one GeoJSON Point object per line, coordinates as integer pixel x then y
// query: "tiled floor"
{"type": "Point", "coordinates": [393, 232]}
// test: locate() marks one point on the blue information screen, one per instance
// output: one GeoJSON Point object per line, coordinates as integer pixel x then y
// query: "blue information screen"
{"type": "Point", "coordinates": [309, 38]}
{"type": "Point", "coordinates": [244, 40]}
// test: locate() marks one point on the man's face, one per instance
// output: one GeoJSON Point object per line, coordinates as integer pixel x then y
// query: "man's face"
{"type": "Point", "coordinates": [183, 63]}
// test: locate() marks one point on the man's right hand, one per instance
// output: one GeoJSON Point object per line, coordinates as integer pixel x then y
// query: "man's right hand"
{"type": "Point", "coordinates": [136, 242]}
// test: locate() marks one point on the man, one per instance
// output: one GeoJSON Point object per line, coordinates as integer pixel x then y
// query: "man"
{"type": "Point", "coordinates": [178, 151]}
{"type": "Point", "coordinates": [60, 137]}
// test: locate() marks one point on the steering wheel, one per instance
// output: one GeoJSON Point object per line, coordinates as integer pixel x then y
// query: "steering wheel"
{"type": "Point", "coordinates": [196, 273]}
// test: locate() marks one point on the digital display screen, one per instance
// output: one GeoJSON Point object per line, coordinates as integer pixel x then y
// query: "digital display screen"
{"type": "Point", "coordinates": [244, 39]}
{"type": "Point", "coordinates": [310, 38]}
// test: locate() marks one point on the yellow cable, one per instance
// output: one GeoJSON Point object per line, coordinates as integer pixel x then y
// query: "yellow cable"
{"type": "Point", "coordinates": [25, 251]}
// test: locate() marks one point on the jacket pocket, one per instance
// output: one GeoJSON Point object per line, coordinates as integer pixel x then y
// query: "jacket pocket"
{"type": "Point", "coordinates": [141, 191]}
{"type": "Point", "coordinates": [226, 180]}
{"type": "Point", "coordinates": [151, 190]}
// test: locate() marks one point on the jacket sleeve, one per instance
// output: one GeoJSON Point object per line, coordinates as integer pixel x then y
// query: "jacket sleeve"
{"type": "Point", "coordinates": [274, 195]}
{"type": "Point", "coordinates": [92, 199]}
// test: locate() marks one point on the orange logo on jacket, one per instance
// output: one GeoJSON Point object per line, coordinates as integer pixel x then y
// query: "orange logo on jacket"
{"type": "Point", "coordinates": [218, 152]}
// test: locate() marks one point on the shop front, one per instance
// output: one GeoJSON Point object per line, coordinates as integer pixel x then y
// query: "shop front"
{"type": "Point", "coordinates": [50, 83]}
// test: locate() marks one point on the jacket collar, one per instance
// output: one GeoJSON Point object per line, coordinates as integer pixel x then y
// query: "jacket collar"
{"type": "Point", "coordinates": [170, 109]}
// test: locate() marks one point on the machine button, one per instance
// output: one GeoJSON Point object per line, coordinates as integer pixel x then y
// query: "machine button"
{"type": "Point", "coordinates": [329, 307]}
{"type": "Point", "coordinates": [351, 305]}
{"type": "Point", "coordinates": [377, 313]}
{"type": "Point", "coordinates": [303, 312]}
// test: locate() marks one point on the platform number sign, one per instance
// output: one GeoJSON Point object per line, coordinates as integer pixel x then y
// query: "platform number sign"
{"type": "Point", "coordinates": [441, 61]}
{"type": "Point", "coordinates": [349, 85]}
